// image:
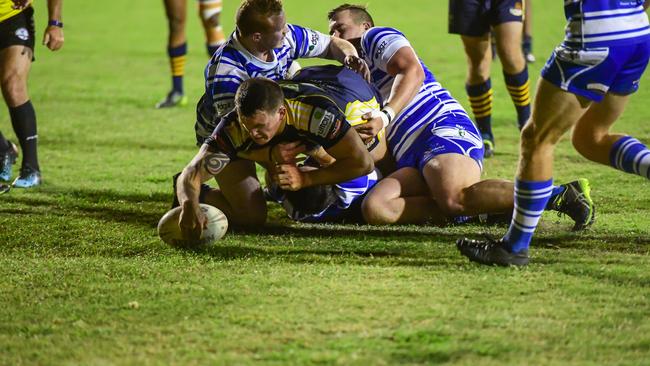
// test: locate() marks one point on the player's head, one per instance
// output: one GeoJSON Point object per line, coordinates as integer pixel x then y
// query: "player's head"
{"type": "Point", "coordinates": [263, 22]}
{"type": "Point", "coordinates": [349, 21]}
{"type": "Point", "coordinates": [260, 105]}
{"type": "Point", "coordinates": [311, 200]}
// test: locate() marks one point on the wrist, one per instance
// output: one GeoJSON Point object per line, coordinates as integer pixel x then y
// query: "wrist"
{"type": "Point", "coordinates": [387, 115]}
{"type": "Point", "coordinates": [55, 23]}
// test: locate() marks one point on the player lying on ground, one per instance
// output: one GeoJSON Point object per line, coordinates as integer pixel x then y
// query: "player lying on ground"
{"type": "Point", "coordinates": [267, 114]}
{"type": "Point", "coordinates": [437, 148]}
{"type": "Point", "coordinates": [586, 84]}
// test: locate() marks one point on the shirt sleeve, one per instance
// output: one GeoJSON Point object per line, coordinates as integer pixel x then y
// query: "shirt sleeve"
{"type": "Point", "coordinates": [380, 44]}
{"type": "Point", "coordinates": [307, 43]}
{"type": "Point", "coordinates": [219, 141]}
{"type": "Point", "coordinates": [327, 124]}
{"type": "Point", "coordinates": [222, 79]}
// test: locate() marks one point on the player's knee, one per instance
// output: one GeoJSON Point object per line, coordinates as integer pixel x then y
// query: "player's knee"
{"type": "Point", "coordinates": [253, 218]}
{"type": "Point", "coordinates": [176, 24]}
{"type": "Point", "coordinates": [451, 206]}
{"type": "Point", "coordinates": [211, 21]}
{"type": "Point", "coordinates": [14, 90]}
{"type": "Point", "coordinates": [375, 211]}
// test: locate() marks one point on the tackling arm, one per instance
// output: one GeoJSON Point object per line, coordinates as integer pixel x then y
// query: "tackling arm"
{"type": "Point", "coordinates": [345, 53]}
{"type": "Point", "coordinates": [352, 160]}
{"type": "Point", "coordinates": [409, 76]}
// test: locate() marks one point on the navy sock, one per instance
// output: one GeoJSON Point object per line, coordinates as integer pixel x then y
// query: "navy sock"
{"type": "Point", "coordinates": [519, 89]}
{"type": "Point", "coordinates": [480, 99]}
{"type": "Point", "coordinates": [177, 61]}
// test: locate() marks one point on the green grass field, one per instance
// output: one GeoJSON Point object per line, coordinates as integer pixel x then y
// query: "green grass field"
{"type": "Point", "coordinates": [84, 279]}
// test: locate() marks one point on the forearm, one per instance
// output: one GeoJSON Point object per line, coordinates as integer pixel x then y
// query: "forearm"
{"type": "Point", "coordinates": [54, 9]}
{"type": "Point", "coordinates": [188, 187]}
{"type": "Point", "coordinates": [340, 171]}
{"type": "Point", "coordinates": [405, 88]}
{"type": "Point", "coordinates": [339, 49]}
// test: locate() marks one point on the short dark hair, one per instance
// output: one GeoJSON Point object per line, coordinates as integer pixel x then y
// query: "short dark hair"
{"type": "Point", "coordinates": [359, 12]}
{"type": "Point", "coordinates": [258, 94]}
{"type": "Point", "coordinates": [252, 15]}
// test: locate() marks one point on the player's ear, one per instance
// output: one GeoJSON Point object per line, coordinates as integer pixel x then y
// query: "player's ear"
{"type": "Point", "coordinates": [282, 111]}
{"type": "Point", "coordinates": [366, 26]}
{"type": "Point", "coordinates": [256, 37]}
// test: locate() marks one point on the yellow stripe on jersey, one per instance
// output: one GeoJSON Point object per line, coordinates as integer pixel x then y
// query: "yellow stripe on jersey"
{"type": "Point", "coordinates": [6, 10]}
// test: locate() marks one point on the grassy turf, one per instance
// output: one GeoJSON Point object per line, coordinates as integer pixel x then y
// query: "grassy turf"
{"type": "Point", "coordinates": [85, 280]}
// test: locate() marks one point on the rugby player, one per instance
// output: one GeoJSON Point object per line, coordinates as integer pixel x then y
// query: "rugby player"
{"type": "Point", "coordinates": [586, 84]}
{"type": "Point", "coordinates": [16, 57]}
{"type": "Point", "coordinates": [437, 149]}
{"type": "Point", "coordinates": [263, 45]}
{"type": "Point", "coordinates": [472, 20]}
{"type": "Point", "coordinates": [265, 115]}
{"type": "Point", "coordinates": [176, 11]}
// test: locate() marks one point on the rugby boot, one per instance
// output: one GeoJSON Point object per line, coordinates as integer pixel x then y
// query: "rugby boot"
{"type": "Point", "coordinates": [173, 99]}
{"type": "Point", "coordinates": [4, 188]}
{"type": "Point", "coordinates": [488, 145]}
{"type": "Point", "coordinates": [576, 203]}
{"type": "Point", "coordinates": [7, 160]}
{"type": "Point", "coordinates": [491, 252]}
{"type": "Point", "coordinates": [28, 178]}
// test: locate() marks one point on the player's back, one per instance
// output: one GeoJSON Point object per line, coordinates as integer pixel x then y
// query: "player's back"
{"type": "Point", "coordinates": [602, 23]}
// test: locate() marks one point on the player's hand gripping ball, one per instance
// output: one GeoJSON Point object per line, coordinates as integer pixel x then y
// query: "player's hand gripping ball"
{"type": "Point", "coordinates": [170, 232]}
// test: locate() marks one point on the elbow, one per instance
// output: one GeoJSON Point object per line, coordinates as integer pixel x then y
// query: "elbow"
{"type": "Point", "coordinates": [367, 166]}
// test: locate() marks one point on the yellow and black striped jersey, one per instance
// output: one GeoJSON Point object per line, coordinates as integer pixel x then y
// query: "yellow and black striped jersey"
{"type": "Point", "coordinates": [6, 10]}
{"type": "Point", "coordinates": [319, 112]}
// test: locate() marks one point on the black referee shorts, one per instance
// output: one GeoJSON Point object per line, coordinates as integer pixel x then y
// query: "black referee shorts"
{"type": "Point", "coordinates": [18, 30]}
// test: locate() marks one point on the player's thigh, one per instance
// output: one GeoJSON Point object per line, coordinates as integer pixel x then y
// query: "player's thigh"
{"type": "Point", "coordinates": [16, 62]}
{"type": "Point", "coordinates": [447, 175]}
{"type": "Point", "coordinates": [508, 38]}
{"type": "Point", "coordinates": [404, 182]}
{"type": "Point", "coordinates": [240, 186]}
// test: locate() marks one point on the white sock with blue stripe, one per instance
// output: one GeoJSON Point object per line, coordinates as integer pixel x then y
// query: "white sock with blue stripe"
{"type": "Point", "coordinates": [630, 155]}
{"type": "Point", "coordinates": [531, 198]}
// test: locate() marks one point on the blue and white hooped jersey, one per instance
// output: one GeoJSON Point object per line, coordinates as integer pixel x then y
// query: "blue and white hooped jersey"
{"type": "Point", "coordinates": [231, 64]}
{"type": "Point", "coordinates": [379, 44]}
{"type": "Point", "coordinates": [604, 23]}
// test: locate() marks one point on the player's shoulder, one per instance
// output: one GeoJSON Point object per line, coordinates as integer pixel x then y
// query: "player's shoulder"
{"type": "Point", "coordinates": [377, 37]}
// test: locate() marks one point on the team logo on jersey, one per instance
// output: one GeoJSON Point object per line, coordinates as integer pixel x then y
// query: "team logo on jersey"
{"type": "Point", "coordinates": [224, 107]}
{"type": "Point", "coordinates": [22, 34]}
{"type": "Point", "coordinates": [517, 10]}
{"type": "Point", "coordinates": [380, 49]}
{"type": "Point", "coordinates": [321, 122]}
{"type": "Point", "coordinates": [314, 41]}
{"type": "Point", "coordinates": [335, 130]}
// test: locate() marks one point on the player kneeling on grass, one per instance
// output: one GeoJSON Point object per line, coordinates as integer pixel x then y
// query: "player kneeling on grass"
{"type": "Point", "coordinates": [263, 117]}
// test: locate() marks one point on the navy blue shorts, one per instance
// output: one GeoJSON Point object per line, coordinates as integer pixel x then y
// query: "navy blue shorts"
{"type": "Point", "coordinates": [475, 17]}
{"type": "Point", "coordinates": [594, 72]}
{"type": "Point", "coordinates": [450, 134]}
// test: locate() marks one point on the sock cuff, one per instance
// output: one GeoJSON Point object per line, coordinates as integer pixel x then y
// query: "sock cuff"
{"type": "Point", "coordinates": [177, 51]}
{"type": "Point", "coordinates": [479, 89]}
{"type": "Point", "coordinates": [617, 151]}
{"type": "Point", "coordinates": [517, 79]}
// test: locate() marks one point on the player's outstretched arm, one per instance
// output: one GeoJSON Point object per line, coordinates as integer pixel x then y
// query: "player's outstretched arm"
{"type": "Point", "coordinates": [205, 165]}
{"type": "Point", "coordinates": [409, 76]}
{"type": "Point", "coordinates": [345, 53]}
{"type": "Point", "coordinates": [352, 160]}
{"type": "Point", "coordinates": [53, 36]}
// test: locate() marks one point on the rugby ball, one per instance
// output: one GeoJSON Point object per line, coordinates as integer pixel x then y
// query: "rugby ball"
{"type": "Point", "coordinates": [170, 232]}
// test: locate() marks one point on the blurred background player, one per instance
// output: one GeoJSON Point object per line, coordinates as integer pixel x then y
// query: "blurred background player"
{"type": "Point", "coordinates": [586, 84]}
{"type": "Point", "coordinates": [16, 56]}
{"type": "Point", "coordinates": [527, 42]}
{"type": "Point", "coordinates": [472, 20]}
{"type": "Point", "coordinates": [176, 10]}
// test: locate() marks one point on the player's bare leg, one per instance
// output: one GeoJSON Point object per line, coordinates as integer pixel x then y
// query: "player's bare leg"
{"type": "Point", "coordinates": [176, 11]}
{"type": "Point", "coordinates": [210, 14]}
{"type": "Point", "coordinates": [478, 86]}
{"type": "Point", "coordinates": [239, 195]}
{"type": "Point", "coordinates": [508, 40]}
{"type": "Point", "coordinates": [16, 62]}
{"type": "Point", "coordinates": [402, 197]}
